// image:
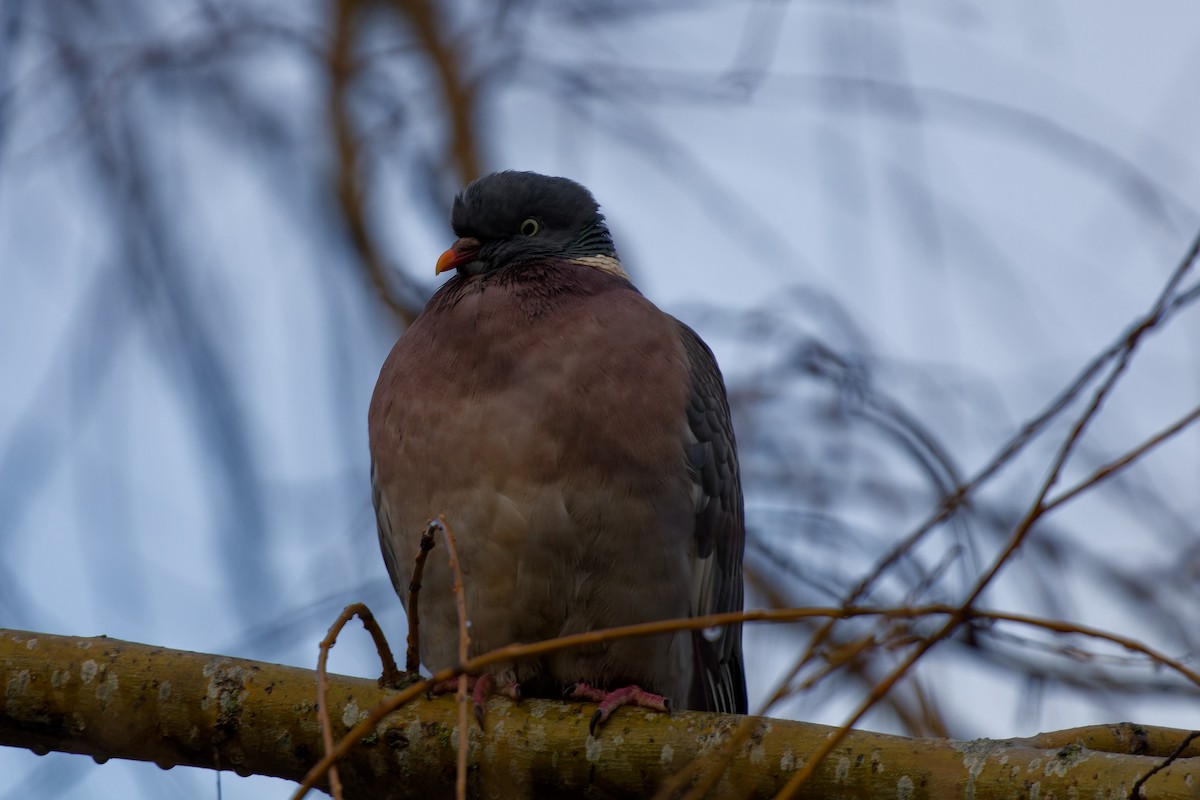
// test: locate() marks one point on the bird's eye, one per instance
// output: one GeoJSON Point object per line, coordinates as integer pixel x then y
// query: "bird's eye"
{"type": "Point", "coordinates": [530, 227]}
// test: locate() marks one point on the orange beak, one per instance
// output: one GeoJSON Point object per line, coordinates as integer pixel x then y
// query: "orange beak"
{"type": "Point", "coordinates": [462, 251]}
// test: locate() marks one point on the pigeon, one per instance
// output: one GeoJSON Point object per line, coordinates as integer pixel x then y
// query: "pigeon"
{"type": "Point", "coordinates": [577, 441]}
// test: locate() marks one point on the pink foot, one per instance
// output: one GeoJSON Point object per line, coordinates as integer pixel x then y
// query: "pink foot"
{"type": "Point", "coordinates": [481, 688]}
{"type": "Point", "coordinates": [611, 701]}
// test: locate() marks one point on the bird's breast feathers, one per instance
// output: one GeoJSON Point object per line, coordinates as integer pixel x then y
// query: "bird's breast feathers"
{"type": "Point", "coordinates": [612, 359]}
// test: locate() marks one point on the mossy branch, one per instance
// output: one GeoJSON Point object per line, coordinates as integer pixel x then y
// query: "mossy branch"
{"type": "Point", "coordinates": [114, 699]}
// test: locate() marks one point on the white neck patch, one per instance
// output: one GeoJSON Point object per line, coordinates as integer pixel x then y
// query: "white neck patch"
{"type": "Point", "coordinates": [609, 264]}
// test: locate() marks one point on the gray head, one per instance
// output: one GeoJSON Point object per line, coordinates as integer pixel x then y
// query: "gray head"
{"type": "Point", "coordinates": [513, 217]}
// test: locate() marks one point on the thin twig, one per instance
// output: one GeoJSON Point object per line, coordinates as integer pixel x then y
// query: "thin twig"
{"type": "Point", "coordinates": [1115, 466]}
{"type": "Point", "coordinates": [335, 782]}
{"type": "Point", "coordinates": [464, 646]}
{"type": "Point", "coordinates": [1069, 628]}
{"type": "Point", "coordinates": [385, 655]}
{"type": "Point", "coordinates": [390, 672]}
{"type": "Point", "coordinates": [412, 659]}
{"type": "Point", "coordinates": [349, 190]}
{"type": "Point", "coordinates": [1136, 792]}
{"type": "Point", "coordinates": [459, 91]}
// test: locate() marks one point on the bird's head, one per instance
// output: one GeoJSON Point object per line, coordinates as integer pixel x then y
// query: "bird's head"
{"type": "Point", "coordinates": [515, 217]}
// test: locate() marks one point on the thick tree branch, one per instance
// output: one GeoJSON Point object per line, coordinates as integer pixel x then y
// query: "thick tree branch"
{"type": "Point", "coordinates": [113, 699]}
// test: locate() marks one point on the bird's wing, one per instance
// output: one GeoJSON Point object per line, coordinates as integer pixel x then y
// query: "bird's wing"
{"type": "Point", "coordinates": [383, 521]}
{"type": "Point", "coordinates": [719, 683]}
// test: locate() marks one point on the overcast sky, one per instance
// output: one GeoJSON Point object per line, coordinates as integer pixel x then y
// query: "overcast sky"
{"type": "Point", "coordinates": [990, 192]}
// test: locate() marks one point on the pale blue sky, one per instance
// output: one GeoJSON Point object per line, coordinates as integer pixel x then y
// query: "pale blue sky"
{"type": "Point", "coordinates": [991, 192]}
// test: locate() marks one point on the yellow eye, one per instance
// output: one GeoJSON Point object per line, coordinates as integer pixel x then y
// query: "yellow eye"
{"type": "Point", "coordinates": [530, 227]}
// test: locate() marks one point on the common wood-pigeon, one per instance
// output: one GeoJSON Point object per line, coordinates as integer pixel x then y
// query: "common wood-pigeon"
{"type": "Point", "coordinates": [578, 441]}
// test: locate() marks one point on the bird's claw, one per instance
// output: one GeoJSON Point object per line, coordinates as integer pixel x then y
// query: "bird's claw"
{"type": "Point", "coordinates": [608, 702]}
{"type": "Point", "coordinates": [481, 688]}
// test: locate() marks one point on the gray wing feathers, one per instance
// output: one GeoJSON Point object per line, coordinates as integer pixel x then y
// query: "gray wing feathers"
{"type": "Point", "coordinates": [719, 683]}
{"type": "Point", "coordinates": [383, 520]}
